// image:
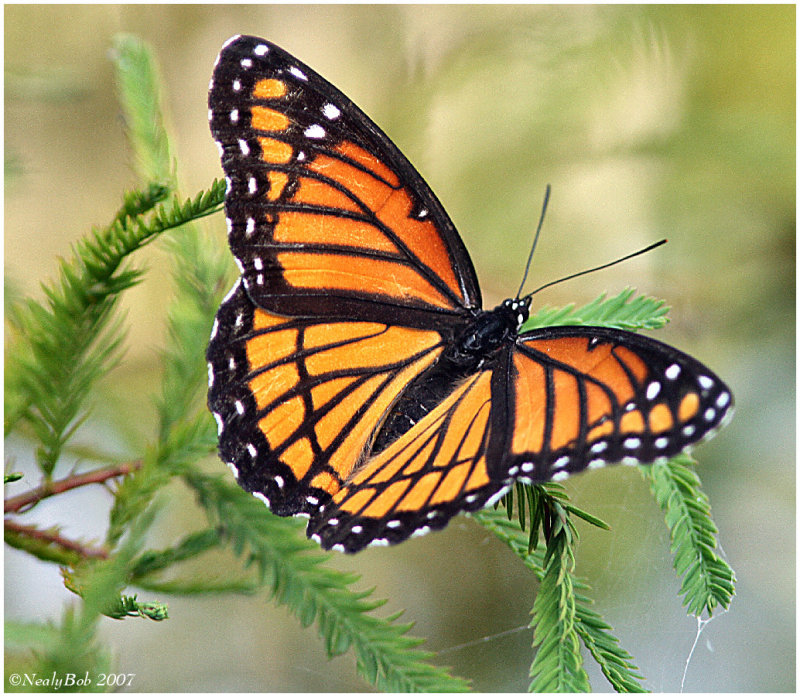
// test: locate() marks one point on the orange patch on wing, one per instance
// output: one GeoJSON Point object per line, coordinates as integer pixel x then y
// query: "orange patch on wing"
{"type": "Point", "coordinates": [368, 160]}
{"type": "Point", "coordinates": [326, 228]}
{"type": "Point", "coordinates": [364, 186]}
{"type": "Point", "coordinates": [330, 272]}
{"type": "Point", "coordinates": [282, 421]}
{"type": "Point", "coordinates": [321, 335]}
{"type": "Point", "coordinates": [267, 348]}
{"type": "Point", "coordinates": [324, 392]}
{"type": "Point", "coordinates": [277, 183]}
{"type": "Point", "coordinates": [417, 498]}
{"type": "Point", "coordinates": [420, 459]}
{"type": "Point", "coordinates": [272, 384]}
{"type": "Point", "coordinates": [637, 366]}
{"type": "Point", "coordinates": [387, 499]}
{"type": "Point", "coordinates": [529, 406]}
{"type": "Point", "coordinates": [327, 482]}
{"type": "Point", "coordinates": [354, 503]}
{"type": "Point", "coordinates": [631, 422]}
{"type": "Point", "coordinates": [420, 236]}
{"type": "Point", "coordinates": [479, 476]}
{"type": "Point", "coordinates": [688, 406]}
{"type": "Point", "coordinates": [660, 419]}
{"type": "Point", "coordinates": [320, 193]}
{"type": "Point", "coordinates": [331, 424]}
{"type": "Point", "coordinates": [597, 402]}
{"type": "Point", "coordinates": [265, 320]}
{"type": "Point", "coordinates": [299, 457]}
{"type": "Point", "coordinates": [566, 411]}
{"type": "Point", "coordinates": [384, 346]}
{"type": "Point", "coordinates": [349, 453]}
{"type": "Point", "coordinates": [452, 484]}
{"type": "Point", "coordinates": [269, 88]}
{"type": "Point", "coordinates": [263, 119]}
{"type": "Point", "coordinates": [275, 151]}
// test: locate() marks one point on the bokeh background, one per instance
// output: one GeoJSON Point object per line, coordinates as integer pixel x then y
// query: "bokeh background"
{"type": "Point", "coordinates": [648, 121]}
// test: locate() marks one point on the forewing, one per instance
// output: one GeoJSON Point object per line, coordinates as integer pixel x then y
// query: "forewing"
{"type": "Point", "coordinates": [298, 400]}
{"type": "Point", "coordinates": [584, 397]}
{"type": "Point", "coordinates": [325, 215]}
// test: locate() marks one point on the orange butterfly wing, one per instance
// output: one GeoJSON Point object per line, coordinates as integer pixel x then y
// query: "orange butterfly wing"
{"type": "Point", "coordinates": [298, 400]}
{"type": "Point", "coordinates": [325, 214]}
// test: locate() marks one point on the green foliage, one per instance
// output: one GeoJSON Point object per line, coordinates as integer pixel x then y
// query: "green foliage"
{"type": "Point", "coordinates": [593, 631]}
{"type": "Point", "coordinates": [61, 346]}
{"type": "Point", "coordinates": [707, 580]}
{"type": "Point", "coordinates": [623, 311]}
{"type": "Point", "coordinates": [294, 570]}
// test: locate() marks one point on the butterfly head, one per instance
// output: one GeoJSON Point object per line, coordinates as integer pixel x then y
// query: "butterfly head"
{"type": "Point", "coordinates": [488, 331]}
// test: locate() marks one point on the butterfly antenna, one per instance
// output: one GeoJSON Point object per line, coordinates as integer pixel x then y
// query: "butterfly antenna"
{"type": "Point", "coordinates": [597, 268]}
{"type": "Point", "coordinates": [535, 239]}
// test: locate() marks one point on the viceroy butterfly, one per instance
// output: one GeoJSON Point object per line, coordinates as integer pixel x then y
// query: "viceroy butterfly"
{"type": "Point", "coordinates": [354, 376]}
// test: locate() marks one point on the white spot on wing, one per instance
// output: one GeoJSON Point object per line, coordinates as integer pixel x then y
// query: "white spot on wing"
{"type": "Point", "coordinates": [314, 131]}
{"type": "Point", "coordinates": [705, 382]}
{"type": "Point", "coordinates": [294, 70]}
{"type": "Point", "coordinates": [673, 371]}
{"type": "Point", "coordinates": [261, 50]}
{"type": "Point", "coordinates": [261, 497]}
{"type": "Point", "coordinates": [331, 112]}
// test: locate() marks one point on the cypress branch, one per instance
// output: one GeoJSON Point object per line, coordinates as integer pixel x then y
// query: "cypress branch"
{"type": "Point", "coordinates": [295, 570]}
{"type": "Point", "coordinates": [707, 580]}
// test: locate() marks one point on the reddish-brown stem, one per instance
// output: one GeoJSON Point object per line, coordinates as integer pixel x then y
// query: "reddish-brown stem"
{"type": "Point", "coordinates": [55, 538]}
{"type": "Point", "coordinates": [18, 503]}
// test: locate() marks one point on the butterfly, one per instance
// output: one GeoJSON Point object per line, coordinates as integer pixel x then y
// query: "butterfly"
{"type": "Point", "coordinates": [353, 374]}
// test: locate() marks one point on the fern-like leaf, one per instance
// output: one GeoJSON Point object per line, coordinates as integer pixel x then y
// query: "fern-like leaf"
{"type": "Point", "coordinates": [615, 662]}
{"type": "Point", "coordinates": [707, 580]}
{"type": "Point", "coordinates": [623, 311]}
{"type": "Point", "coordinates": [295, 569]}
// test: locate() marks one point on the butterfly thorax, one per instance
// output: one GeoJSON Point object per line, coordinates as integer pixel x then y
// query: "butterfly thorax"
{"type": "Point", "coordinates": [489, 330]}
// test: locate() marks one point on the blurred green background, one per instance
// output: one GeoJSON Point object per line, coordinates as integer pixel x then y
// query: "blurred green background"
{"type": "Point", "coordinates": [648, 121]}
